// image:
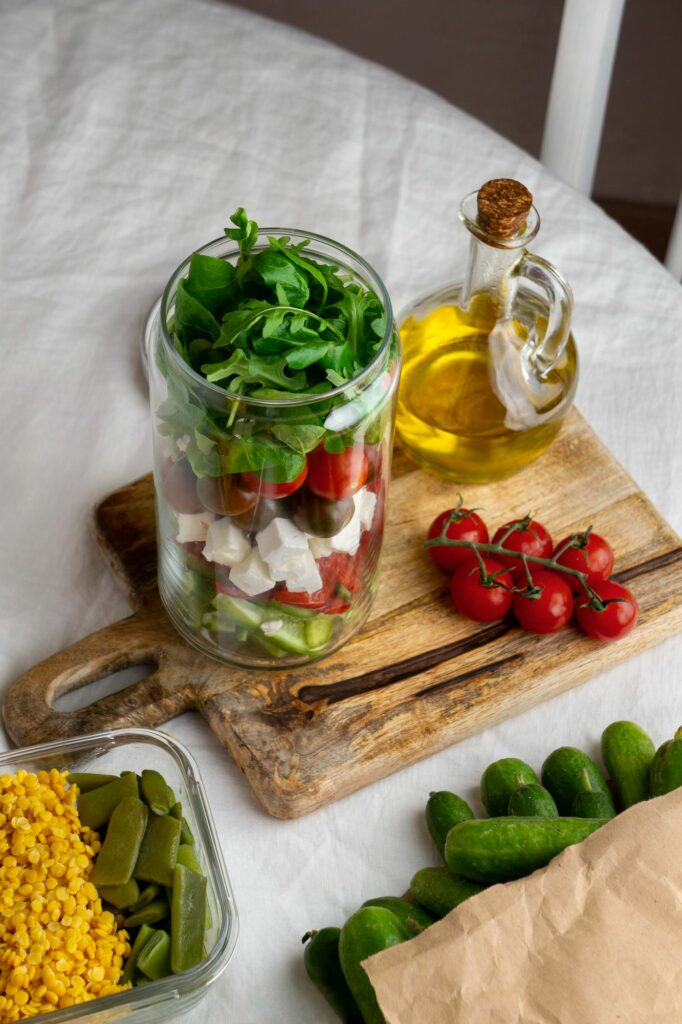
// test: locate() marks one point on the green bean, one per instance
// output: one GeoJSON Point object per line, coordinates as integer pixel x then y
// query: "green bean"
{"type": "Point", "coordinates": [120, 896]}
{"type": "Point", "coordinates": [145, 933]}
{"type": "Point", "coordinates": [188, 918]}
{"type": "Point", "coordinates": [159, 850]}
{"type": "Point", "coordinates": [155, 792]}
{"type": "Point", "coordinates": [89, 780]}
{"type": "Point", "coordinates": [118, 856]}
{"type": "Point", "coordinates": [96, 807]}
{"type": "Point", "coordinates": [149, 893]}
{"type": "Point", "coordinates": [151, 914]}
{"type": "Point", "coordinates": [187, 857]}
{"type": "Point", "coordinates": [186, 836]}
{"type": "Point", "coordinates": [154, 960]}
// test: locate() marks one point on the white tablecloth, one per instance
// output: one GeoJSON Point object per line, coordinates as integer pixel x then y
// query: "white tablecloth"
{"type": "Point", "coordinates": [130, 131]}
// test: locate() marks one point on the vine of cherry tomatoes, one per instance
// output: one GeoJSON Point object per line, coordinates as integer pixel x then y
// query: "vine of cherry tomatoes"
{"type": "Point", "coordinates": [544, 584]}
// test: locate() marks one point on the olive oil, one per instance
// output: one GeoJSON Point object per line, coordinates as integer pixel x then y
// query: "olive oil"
{"type": "Point", "coordinates": [467, 408]}
{"type": "Point", "coordinates": [489, 364]}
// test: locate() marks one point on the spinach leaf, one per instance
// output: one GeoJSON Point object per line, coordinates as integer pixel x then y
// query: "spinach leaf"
{"type": "Point", "coordinates": [191, 318]}
{"type": "Point", "coordinates": [276, 462]}
{"type": "Point", "coordinates": [212, 282]}
{"type": "Point", "coordinates": [289, 284]}
{"type": "Point", "coordinates": [301, 437]}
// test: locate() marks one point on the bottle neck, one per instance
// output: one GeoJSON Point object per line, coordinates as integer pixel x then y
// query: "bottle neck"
{"type": "Point", "coordinates": [487, 271]}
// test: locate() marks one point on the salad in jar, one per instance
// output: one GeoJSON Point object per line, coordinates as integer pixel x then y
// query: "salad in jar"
{"type": "Point", "coordinates": [274, 366]}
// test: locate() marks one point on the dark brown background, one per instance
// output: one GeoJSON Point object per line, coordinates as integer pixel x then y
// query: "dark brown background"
{"type": "Point", "coordinates": [494, 59]}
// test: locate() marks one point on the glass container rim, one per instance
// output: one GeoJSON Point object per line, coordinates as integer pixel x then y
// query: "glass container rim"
{"type": "Point", "coordinates": [278, 403]}
{"type": "Point", "coordinates": [195, 979]}
{"type": "Point", "coordinates": [518, 241]}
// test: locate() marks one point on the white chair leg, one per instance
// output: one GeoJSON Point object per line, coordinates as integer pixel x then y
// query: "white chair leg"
{"type": "Point", "coordinates": [673, 257]}
{"type": "Point", "coordinates": [580, 89]}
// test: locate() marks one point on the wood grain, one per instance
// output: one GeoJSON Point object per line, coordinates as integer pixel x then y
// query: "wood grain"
{"type": "Point", "coordinates": [416, 679]}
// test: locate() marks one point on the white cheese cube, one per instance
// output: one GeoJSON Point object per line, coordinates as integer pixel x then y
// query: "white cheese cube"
{"type": "Point", "coordinates": [348, 539]}
{"type": "Point", "coordinates": [321, 546]}
{"type": "Point", "coordinates": [271, 626]}
{"type": "Point", "coordinates": [365, 504]}
{"type": "Point", "coordinates": [193, 526]}
{"type": "Point", "coordinates": [252, 575]}
{"type": "Point", "coordinates": [225, 543]}
{"type": "Point", "coordinates": [304, 575]}
{"type": "Point", "coordinates": [280, 542]}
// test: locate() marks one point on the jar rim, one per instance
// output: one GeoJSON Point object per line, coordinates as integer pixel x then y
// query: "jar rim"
{"type": "Point", "coordinates": [375, 282]}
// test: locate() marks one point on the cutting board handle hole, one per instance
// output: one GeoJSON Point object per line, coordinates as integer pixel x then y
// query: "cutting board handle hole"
{"type": "Point", "coordinates": [90, 692]}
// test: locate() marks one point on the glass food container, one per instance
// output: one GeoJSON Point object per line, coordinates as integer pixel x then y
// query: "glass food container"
{"type": "Point", "coordinates": [133, 750]}
{"type": "Point", "coordinates": [270, 510]}
{"type": "Point", "coordinates": [490, 367]}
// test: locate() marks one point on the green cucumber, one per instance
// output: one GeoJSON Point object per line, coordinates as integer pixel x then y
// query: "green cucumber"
{"type": "Point", "coordinates": [666, 768]}
{"type": "Point", "coordinates": [627, 753]}
{"type": "Point", "coordinates": [568, 771]}
{"type": "Point", "coordinates": [367, 931]}
{"type": "Point", "coordinates": [532, 801]}
{"type": "Point", "coordinates": [500, 849]}
{"type": "Point", "coordinates": [321, 960]}
{"type": "Point", "coordinates": [414, 919]}
{"type": "Point", "coordinates": [440, 891]}
{"type": "Point", "coordinates": [318, 631]}
{"type": "Point", "coordinates": [592, 805]}
{"type": "Point", "coordinates": [499, 781]}
{"type": "Point", "coordinates": [239, 611]}
{"type": "Point", "coordinates": [443, 810]}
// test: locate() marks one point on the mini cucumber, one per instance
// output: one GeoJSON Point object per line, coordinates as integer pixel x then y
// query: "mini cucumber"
{"type": "Point", "coordinates": [499, 781]}
{"type": "Point", "coordinates": [321, 960]}
{"type": "Point", "coordinates": [367, 931]}
{"type": "Point", "coordinates": [666, 768]}
{"type": "Point", "coordinates": [628, 753]}
{"type": "Point", "coordinates": [443, 810]}
{"type": "Point", "coordinates": [414, 919]}
{"type": "Point", "coordinates": [532, 801]}
{"type": "Point", "coordinates": [440, 891]}
{"type": "Point", "coordinates": [568, 771]}
{"type": "Point", "coordinates": [592, 805]}
{"type": "Point", "coordinates": [500, 849]}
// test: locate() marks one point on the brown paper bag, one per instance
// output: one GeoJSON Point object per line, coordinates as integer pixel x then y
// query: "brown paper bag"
{"type": "Point", "coordinates": [593, 938]}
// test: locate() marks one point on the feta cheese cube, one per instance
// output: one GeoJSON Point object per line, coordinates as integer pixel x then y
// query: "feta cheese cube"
{"type": "Point", "coordinates": [225, 543]}
{"type": "Point", "coordinates": [348, 539]}
{"type": "Point", "coordinates": [271, 626]}
{"type": "Point", "coordinates": [321, 546]}
{"type": "Point", "coordinates": [193, 526]}
{"type": "Point", "coordinates": [252, 575]}
{"type": "Point", "coordinates": [280, 542]}
{"type": "Point", "coordinates": [365, 504]}
{"type": "Point", "coordinates": [304, 575]}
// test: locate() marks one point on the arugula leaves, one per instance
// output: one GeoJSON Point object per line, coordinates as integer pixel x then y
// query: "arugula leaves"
{"type": "Point", "coordinates": [276, 324]}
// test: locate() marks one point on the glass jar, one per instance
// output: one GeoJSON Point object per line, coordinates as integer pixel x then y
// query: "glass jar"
{"type": "Point", "coordinates": [270, 511]}
{"type": "Point", "coordinates": [490, 367]}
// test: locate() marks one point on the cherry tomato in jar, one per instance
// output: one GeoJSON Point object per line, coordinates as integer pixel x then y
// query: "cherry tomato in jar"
{"type": "Point", "coordinates": [271, 489]}
{"type": "Point", "coordinates": [373, 453]}
{"type": "Point", "coordinates": [178, 484]}
{"type": "Point", "coordinates": [320, 517]}
{"type": "Point", "coordinates": [337, 475]}
{"type": "Point", "coordinates": [528, 538]}
{"type": "Point", "coordinates": [478, 599]}
{"type": "Point", "coordinates": [465, 526]}
{"type": "Point", "coordinates": [551, 610]}
{"type": "Point", "coordinates": [302, 599]}
{"type": "Point", "coordinates": [225, 495]}
{"type": "Point", "coordinates": [591, 554]}
{"type": "Point", "coordinates": [617, 619]}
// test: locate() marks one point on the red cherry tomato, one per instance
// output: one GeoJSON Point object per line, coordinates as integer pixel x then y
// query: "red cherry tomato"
{"type": "Point", "coordinates": [477, 600]}
{"type": "Point", "coordinates": [533, 540]}
{"type": "Point", "coordinates": [595, 557]}
{"type": "Point", "coordinates": [301, 599]}
{"type": "Point", "coordinates": [340, 579]}
{"type": "Point", "coordinates": [466, 526]}
{"type": "Point", "coordinates": [269, 489]}
{"type": "Point", "coordinates": [550, 611]}
{"type": "Point", "coordinates": [616, 620]}
{"type": "Point", "coordinates": [333, 476]}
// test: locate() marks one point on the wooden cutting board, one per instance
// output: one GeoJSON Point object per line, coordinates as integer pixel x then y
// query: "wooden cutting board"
{"type": "Point", "coordinates": [417, 678]}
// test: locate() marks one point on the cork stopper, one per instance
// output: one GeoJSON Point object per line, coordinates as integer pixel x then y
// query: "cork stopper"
{"type": "Point", "coordinates": [503, 206]}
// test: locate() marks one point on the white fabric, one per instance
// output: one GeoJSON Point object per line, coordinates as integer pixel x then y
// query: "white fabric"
{"type": "Point", "coordinates": [129, 133]}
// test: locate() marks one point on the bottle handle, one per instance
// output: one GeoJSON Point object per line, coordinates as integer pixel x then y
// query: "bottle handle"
{"type": "Point", "coordinates": [544, 350]}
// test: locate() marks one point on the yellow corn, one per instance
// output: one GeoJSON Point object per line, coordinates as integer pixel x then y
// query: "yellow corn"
{"type": "Point", "coordinates": [57, 946]}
